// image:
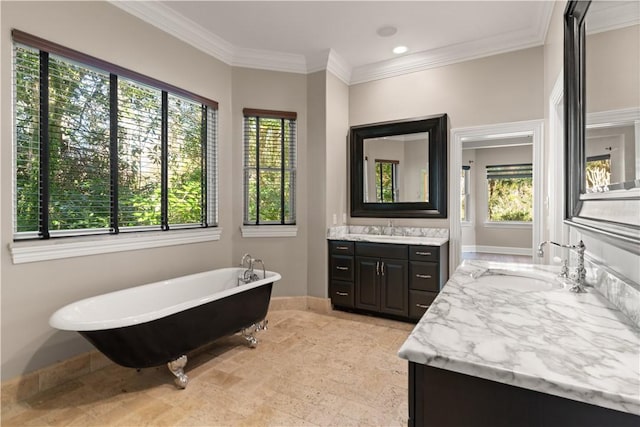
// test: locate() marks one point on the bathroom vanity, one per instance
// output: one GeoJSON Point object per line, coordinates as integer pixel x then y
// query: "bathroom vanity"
{"type": "Point", "coordinates": [389, 275]}
{"type": "Point", "coordinates": [508, 344]}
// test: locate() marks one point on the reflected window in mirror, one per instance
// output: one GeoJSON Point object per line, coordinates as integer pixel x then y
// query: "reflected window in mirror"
{"type": "Point", "coordinates": [387, 190]}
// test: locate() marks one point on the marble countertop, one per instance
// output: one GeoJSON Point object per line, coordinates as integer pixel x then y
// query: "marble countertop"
{"type": "Point", "coordinates": [397, 235]}
{"type": "Point", "coordinates": [577, 346]}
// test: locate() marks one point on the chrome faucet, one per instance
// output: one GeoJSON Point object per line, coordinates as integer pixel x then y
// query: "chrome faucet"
{"type": "Point", "coordinates": [259, 261]}
{"type": "Point", "coordinates": [581, 272]}
{"type": "Point", "coordinates": [248, 275]}
{"type": "Point", "coordinates": [245, 257]}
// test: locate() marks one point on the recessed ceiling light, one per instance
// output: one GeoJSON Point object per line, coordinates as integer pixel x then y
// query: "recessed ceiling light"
{"type": "Point", "coordinates": [387, 31]}
{"type": "Point", "coordinates": [400, 49]}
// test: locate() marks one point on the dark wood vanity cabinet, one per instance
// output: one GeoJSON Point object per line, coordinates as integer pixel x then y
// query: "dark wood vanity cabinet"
{"type": "Point", "coordinates": [390, 279]}
{"type": "Point", "coordinates": [381, 278]}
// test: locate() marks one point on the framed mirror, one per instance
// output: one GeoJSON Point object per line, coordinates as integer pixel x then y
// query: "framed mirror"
{"type": "Point", "coordinates": [602, 120]}
{"type": "Point", "coordinates": [399, 169]}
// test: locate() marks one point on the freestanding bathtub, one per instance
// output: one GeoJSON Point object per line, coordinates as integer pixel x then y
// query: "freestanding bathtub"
{"type": "Point", "coordinates": [159, 323]}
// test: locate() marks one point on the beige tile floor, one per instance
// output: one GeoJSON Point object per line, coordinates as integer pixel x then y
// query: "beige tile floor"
{"type": "Point", "coordinates": [309, 369]}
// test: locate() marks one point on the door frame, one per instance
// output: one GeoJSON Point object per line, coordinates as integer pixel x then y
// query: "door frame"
{"type": "Point", "coordinates": [533, 128]}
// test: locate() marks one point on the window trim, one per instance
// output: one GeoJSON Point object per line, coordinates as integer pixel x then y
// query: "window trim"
{"type": "Point", "coordinates": [45, 250]}
{"type": "Point", "coordinates": [209, 203]}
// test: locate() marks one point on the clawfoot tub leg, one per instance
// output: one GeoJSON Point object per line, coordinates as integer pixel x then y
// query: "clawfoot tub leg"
{"type": "Point", "coordinates": [176, 368]}
{"type": "Point", "coordinates": [249, 333]}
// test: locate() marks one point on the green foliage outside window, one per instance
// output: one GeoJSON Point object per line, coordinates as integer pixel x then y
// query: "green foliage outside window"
{"type": "Point", "coordinates": [510, 199]}
{"type": "Point", "coordinates": [384, 182]}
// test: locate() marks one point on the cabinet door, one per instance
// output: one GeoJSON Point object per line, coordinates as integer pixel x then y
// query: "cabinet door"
{"type": "Point", "coordinates": [367, 289]}
{"type": "Point", "coordinates": [394, 288]}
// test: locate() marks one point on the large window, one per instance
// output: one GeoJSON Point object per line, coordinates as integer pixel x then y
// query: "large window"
{"type": "Point", "coordinates": [269, 167]}
{"type": "Point", "coordinates": [510, 193]}
{"type": "Point", "coordinates": [100, 149]}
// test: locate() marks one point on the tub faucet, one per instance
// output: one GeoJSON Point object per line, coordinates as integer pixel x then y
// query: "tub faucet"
{"type": "Point", "coordinates": [259, 261]}
{"type": "Point", "coordinates": [581, 272]}
{"type": "Point", "coordinates": [245, 258]}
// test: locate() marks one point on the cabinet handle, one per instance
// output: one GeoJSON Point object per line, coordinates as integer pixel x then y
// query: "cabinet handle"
{"type": "Point", "coordinates": [377, 268]}
{"type": "Point", "coordinates": [423, 276]}
{"type": "Point", "coordinates": [423, 253]}
{"type": "Point", "coordinates": [342, 294]}
{"type": "Point", "coordinates": [422, 306]}
{"type": "Point", "coordinates": [342, 248]}
{"type": "Point", "coordinates": [382, 269]}
{"type": "Point", "coordinates": [339, 267]}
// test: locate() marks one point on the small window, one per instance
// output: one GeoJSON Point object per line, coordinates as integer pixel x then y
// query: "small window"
{"type": "Point", "coordinates": [269, 167]}
{"type": "Point", "coordinates": [598, 173]}
{"type": "Point", "coordinates": [510, 193]}
{"type": "Point", "coordinates": [387, 181]}
{"type": "Point", "coordinates": [102, 150]}
{"type": "Point", "coordinates": [464, 193]}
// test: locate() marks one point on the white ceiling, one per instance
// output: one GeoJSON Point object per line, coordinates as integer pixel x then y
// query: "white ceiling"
{"type": "Point", "coordinates": [307, 36]}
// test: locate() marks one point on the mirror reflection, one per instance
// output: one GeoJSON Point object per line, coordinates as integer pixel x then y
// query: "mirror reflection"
{"type": "Point", "coordinates": [396, 168]}
{"type": "Point", "coordinates": [612, 70]}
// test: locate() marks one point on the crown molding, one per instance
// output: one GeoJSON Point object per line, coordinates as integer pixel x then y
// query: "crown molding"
{"type": "Point", "coordinates": [269, 60]}
{"type": "Point", "coordinates": [164, 18]}
{"type": "Point", "coordinates": [421, 61]}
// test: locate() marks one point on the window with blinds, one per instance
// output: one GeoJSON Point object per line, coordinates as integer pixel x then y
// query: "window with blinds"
{"type": "Point", "coordinates": [269, 167]}
{"type": "Point", "coordinates": [101, 149]}
{"type": "Point", "coordinates": [465, 189]}
{"type": "Point", "coordinates": [510, 193]}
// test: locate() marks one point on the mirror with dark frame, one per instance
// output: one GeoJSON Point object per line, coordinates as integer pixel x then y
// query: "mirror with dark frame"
{"type": "Point", "coordinates": [602, 120]}
{"type": "Point", "coordinates": [399, 168]}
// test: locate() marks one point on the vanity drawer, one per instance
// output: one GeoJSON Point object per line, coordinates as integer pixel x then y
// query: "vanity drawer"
{"type": "Point", "coordinates": [419, 302]}
{"type": "Point", "coordinates": [424, 253]}
{"type": "Point", "coordinates": [423, 276]}
{"type": "Point", "coordinates": [341, 247]}
{"type": "Point", "coordinates": [342, 268]}
{"type": "Point", "coordinates": [381, 250]}
{"type": "Point", "coordinates": [341, 294]}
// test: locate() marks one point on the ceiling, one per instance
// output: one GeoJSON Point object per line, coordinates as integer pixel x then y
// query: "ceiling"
{"type": "Point", "coordinates": [308, 36]}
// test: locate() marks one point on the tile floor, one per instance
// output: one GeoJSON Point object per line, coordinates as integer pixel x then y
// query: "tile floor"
{"type": "Point", "coordinates": [309, 369]}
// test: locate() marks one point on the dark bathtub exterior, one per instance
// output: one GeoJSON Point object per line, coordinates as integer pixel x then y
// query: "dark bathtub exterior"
{"type": "Point", "coordinates": [162, 340]}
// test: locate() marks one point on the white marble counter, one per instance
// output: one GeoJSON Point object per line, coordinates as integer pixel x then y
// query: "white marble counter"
{"type": "Point", "coordinates": [398, 235]}
{"type": "Point", "coordinates": [577, 346]}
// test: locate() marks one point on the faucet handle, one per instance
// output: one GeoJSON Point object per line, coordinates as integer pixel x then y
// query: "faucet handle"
{"type": "Point", "coordinates": [564, 272]}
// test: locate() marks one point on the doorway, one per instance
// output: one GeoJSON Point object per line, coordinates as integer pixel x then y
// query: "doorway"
{"type": "Point", "coordinates": [503, 137]}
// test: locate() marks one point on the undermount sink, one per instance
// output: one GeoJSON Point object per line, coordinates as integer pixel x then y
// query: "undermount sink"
{"type": "Point", "coordinates": [518, 282]}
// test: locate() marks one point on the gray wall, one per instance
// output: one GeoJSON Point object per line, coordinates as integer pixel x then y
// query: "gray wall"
{"type": "Point", "coordinates": [497, 89]}
{"type": "Point", "coordinates": [273, 91]}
